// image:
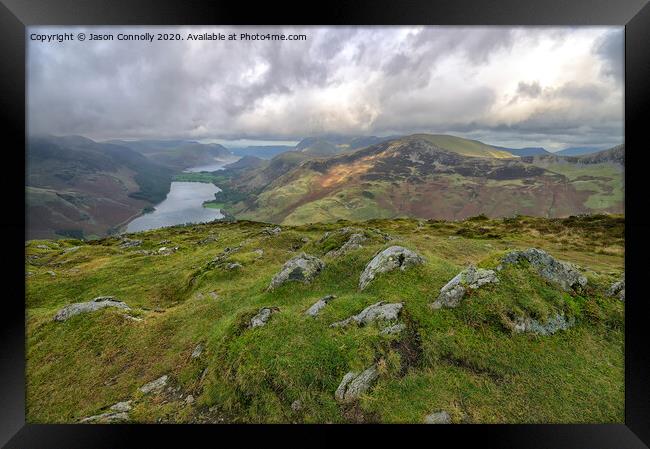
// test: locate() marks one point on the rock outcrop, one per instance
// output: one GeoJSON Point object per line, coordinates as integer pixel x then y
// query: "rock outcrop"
{"type": "Point", "coordinates": [271, 231]}
{"type": "Point", "coordinates": [618, 289]}
{"type": "Point", "coordinates": [154, 385]}
{"type": "Point", "coordinates": [353, 243]}
{"type": "Point", "coordinates": [208, 239]}
{"type": "Point", "coordinates": [118, 413]}
{"type": "Point", "coordinates": [380, 311]}
{"type": "Point", "coordinates": [303, 268]}
{"type": "Point", "coordinates": [124, 406]}
{"type": "Point", "coordinates": [441, 417]}
{"type": "Point", "coordinates": [222, 257]}
{"type": "Point", "coordinates": [552, 325]}
{"type": "Point", "coordinates": [470, 278]}
{"type": "Point", "coordinates": [90, 306]}
{"type": "Point", "coordinates": [561, 273]}
{"type": "Point", "coordinates": [387, 260]}
{"type": "Point", "coordinates": [262, 316]}
{"type": "Point", "coordinates": [166, 251]}
{"type": "Point", "coordinates": [129, 243]}
{"type": "Point", "coordinates": [394, 329]}
{"type": "Point", "coordinates": [355, 384]}
{"type": "Point", "coordinates": [315, 309]}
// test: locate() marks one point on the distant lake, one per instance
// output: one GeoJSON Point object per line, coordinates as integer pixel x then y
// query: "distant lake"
{"type": "Point", "coordinates": [216, 165]}
{"type": "Point", "coordinates": [184, 204]}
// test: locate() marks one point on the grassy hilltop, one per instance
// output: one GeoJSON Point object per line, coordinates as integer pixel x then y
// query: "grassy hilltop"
{"type": "Point", "coordinates": [466, 361]}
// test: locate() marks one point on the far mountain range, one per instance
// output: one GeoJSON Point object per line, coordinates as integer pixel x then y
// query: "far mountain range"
{"type": "Point", "coordinates": [82, 188]}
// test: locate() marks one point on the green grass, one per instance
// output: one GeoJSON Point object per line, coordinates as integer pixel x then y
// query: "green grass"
{"type": "Point", "coordinates": [205, 177]}
{"type": "Point", "coordinates": [214, 205]}
{"type": "Point", "coordinates": [463, 360]}
{"type": "Point", "coordinates": [466, 147]}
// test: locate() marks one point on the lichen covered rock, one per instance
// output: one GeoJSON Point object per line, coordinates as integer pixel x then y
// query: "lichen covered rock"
{"type": "Point", "coordinates": [552, 325]}
{"type": "Point", "coordinates": [470, 278]}
{"type": "Point", "coordinates": [353, 243]}
{"type": "Point", "coordinates": [379, 311]}
{"type": "Point", "coordinates": [262, 316]}
{"type": "Point", "coordinates": [355, 384]}
{"type": "Point", "coordinates": [441, 417]}
{"type": "Point", "coordinates": [315, 309]}
{"type": "Point", "coordinates": [618, 289]}
{"type": "Point", "coordinates": [392, 258]}
{"type": "Point", "coordinates": [154, 385]}
{"type": "Point", "coordinates": [561, 273]}
{"type": "Point", "coordinates": [303, 268]}
{"type": "Point", "coordinates": [91, 306]}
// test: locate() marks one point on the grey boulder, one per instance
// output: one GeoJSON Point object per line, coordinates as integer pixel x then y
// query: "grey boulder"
{"type": "Point", "coordinates": [262, 316]}
{"type": "Point", "coordinates": [118, 412]}
{"type": "Point", "coordinates": [353, 243]}
{"type": "Point", "coordinates": [154, 385]}
{"type": "Point", "coordinates": [271, 231]}
{"type": "Point", "coordinates": [470, 278]}
{"type": "Point", "coordinates": [105, 418]}
{"type": "Point", "coordinates": [315, 309]}
{"type": "Point", "coordinates": [91, 306]}
{"type": "Point", "coordinates": [387, 260]}
{"type": "Point", "coordinates": [355, 384]}
{"type": "Point", "coordinates": [552, 325]}
{"type": "Point", "coordinates": [441, 417]}
{"type": "Point", "coordinates": [618, 289]}
{"type": "Point", "coordinates": [124, 406]}
{"type": "Point", "coordinates": [561, 273]}
{"type": "Point", "coordinates": [302, 268]}
{"type": "Point", "coordinates": [129, 243]}
{"type": "Point", "coordinates": [378, 311]}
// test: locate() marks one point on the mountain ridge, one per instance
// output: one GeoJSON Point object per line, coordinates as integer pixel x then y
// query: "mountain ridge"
{"type": "Point", "coordinates": [415, 176]}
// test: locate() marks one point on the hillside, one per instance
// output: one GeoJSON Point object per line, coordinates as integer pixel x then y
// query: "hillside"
{"type": "Point", "coordinates": [334, 144]}
{"type": "Point", "coordinates": [192, 332]}
{"type": "Point", "coordinates": [261, 151]}
{"type": "Point", "coordinates": [78, 187]}
{"type": "Point", "coordinates": [464, 147]}
{"type": "Point", "coordinates": [426, 176]}
{"type": "Point", "coordinates": [577, 151]}
{"type": "Point", "coordinates": [177, 154]}
{"type": "Point", "coordinates": [527, 151]}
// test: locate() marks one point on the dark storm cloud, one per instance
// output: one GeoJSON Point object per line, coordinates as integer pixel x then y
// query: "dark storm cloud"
{"type": "Point", "coordinates": [358, 80]}
{"type": "Point", "coordinates": [611, 49]}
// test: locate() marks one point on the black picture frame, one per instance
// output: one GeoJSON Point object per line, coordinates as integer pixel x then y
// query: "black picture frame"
{"type": "Point", "coordinates": [15, 15]}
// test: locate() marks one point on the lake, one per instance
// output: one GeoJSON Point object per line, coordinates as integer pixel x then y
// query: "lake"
{"type": "Point", "coordinates": [216, 165]}
{"type": "Point", "coordinates": [184, 204]}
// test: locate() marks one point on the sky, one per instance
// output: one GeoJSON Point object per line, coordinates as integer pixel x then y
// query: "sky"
{"type": "Point", "coordinates": [513, 87]}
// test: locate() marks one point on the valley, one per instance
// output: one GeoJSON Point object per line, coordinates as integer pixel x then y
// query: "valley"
{"type": "Point", "coordinates": [422, 175]}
